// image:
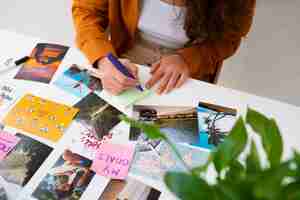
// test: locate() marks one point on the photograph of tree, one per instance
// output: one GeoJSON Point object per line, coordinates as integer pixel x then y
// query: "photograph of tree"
{"type": "Point", "coordinates": [215, 122]}
{"type": "Point", "coordinates": [21, 164]}
{"type": "Point", "coordinates": [67, 179]}
{"type": "Point", "coordinates": [129, 189]}
{"type": "Point", "coordinates": [96, 115]}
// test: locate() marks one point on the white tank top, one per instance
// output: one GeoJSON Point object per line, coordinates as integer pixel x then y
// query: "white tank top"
{"type": "Point", "coordinates": [162, 24]}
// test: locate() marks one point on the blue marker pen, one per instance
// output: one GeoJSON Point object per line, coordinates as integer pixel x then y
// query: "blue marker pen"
{"type": "Point", "coordinates": [119, 66]}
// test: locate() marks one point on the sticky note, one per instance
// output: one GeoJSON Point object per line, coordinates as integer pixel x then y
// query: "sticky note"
{"type": "Point", "coordinates": [127, 98]}
{"type": "Point", "coordinates": [7, 143]}
{"type": "Point", "coordinates": [113, 160]}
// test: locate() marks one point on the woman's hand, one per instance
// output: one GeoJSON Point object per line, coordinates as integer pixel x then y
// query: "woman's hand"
{"type": "Point", "coordinates": [114, 81]}
{"type": "Point", "coordinates": [171, 71]}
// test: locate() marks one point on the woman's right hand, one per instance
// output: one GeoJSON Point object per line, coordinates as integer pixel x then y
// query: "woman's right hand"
{"type": "Point", "coordinates": [114, 81]}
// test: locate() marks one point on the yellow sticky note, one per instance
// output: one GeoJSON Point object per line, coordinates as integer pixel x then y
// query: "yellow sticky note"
{"type": "Point", "coordinates": [41, 117]}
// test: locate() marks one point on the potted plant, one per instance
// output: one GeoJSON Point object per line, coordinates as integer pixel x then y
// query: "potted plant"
{"type": "Point", "coordinates": [252, 178]}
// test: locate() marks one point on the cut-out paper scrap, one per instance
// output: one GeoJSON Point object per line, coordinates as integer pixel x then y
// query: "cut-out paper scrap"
{"type": "Point", "coordinates": [44, 62]}
{"type": "Point", "coordinates": [113, 160]}
{"type": "Point", "coordinates": [7, 143]}
{"type": "Point", "coordinates": [40, 117]}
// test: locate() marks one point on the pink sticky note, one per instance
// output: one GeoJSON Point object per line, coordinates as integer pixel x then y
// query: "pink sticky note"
{"type": "Point", "coordinates": [113, 160]}
{"type": "Point", "coordinates": [7, 143]}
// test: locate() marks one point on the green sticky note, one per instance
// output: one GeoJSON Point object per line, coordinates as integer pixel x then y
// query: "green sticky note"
{"type": "Point", "coordinates": [128, 97]}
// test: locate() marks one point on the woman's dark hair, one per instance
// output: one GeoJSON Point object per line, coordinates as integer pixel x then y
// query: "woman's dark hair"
{"type": "Point", "coordinates": [209, 18]}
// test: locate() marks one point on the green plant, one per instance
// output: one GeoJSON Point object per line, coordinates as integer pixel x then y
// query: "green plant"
{"type": "Point", "coordinates": [252, 178]}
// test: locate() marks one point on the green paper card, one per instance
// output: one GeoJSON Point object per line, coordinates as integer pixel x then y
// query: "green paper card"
{"type": "Point", "coordinates": [126, 98]}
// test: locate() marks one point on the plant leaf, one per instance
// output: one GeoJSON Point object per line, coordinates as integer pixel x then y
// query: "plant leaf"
{"type": "Point", "coordinates": [291, 191]}
{"type": "Point", "coordinates": [274, 135]}
{"type": "Point", "coordinates": [269, 184]}
{"type": "Point", "coordinates": [297, 162]}
{"type": "Point", "coordinates": [252, 162]}
{"type": "Point", "coordinates": [270, 134]}
{"type": "Point", "coordinates": [232, 146]}
{"type": "Point", "coordinates": [188, 187]}
{"type": "Point", "coordinates": [236, 171]}
{"type": "Point", "coordinates": [151, 130]}
{"type": "Point", "coordinates": [229, 190]}
{"type": "Point", "coordinates": [202, 168]}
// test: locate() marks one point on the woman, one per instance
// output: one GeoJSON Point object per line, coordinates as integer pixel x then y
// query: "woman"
{"type": "Point", "coordinates": [178, 38]}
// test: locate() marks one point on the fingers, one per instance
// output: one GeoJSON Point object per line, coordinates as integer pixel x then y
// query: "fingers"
{"type": "Point", "coordinates": [114, 87]}
{"type": "Point", "coordinates": [164, 83]}
{"type": "Point", "coordinates": [154, 67]}
{"type": "Point", "coordinates": [113, 80]}
{"type": "Point", "coordinates": [172, 82]}
{"type": "Point", "coordinates": [183, 78]}
{"type": "Point", "coordinates": [154, 79]}
{"type": "Point", "coordinates": [97, 74]}
{"type": "Point", "coordinates": [133, 69]}
{"type": "Point", "coordinates": [124, 80]}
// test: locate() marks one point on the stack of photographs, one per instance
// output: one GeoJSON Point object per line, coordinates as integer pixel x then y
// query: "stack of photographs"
{"type": "Point", "coordinates": [154, 158]}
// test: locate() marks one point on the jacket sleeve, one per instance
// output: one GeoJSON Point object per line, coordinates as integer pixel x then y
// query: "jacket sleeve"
{"type": "Point", "coordinates": [203, 58]}
{"type": "Point", "coordinates": [90, 19]}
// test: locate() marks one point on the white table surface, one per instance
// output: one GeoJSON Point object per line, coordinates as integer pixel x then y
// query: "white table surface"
{"type": "Point", "coordinates": [13, 45]}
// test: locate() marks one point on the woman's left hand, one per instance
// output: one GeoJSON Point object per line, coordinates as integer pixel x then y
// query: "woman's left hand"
{"type": "Point", "coordinates": [171, 71]}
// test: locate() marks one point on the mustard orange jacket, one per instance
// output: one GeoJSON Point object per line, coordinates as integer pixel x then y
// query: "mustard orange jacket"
{"type": "Point", "coordinates": [93, 17]}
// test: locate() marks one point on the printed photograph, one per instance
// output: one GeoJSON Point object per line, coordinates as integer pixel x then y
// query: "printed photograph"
{"type": "Point", "coordinates": [78, 82]}
{"type": "Point", "coordinates": [82, 77]}
{"type": "Point", "coordinates": [41, 117]}
{"type": "Point", "coordinates": [180, 124]}
{"type": "Point", "coordinates": [17, 168]}
{"type": "Point", "coordinates": [129, 189]}
{"type": "Point", "coordinates": [154, 164]}
{"type": "Point", "coordinates": [215, 122]}
{"type": "Point", "coordinates": [97, 116]}
{"type": "Point", "coordinates": [45, 60]}
{"type": "Point", "coordinates": [71, 86]}
{"type": "Point", "coordinates": [67, 179]}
